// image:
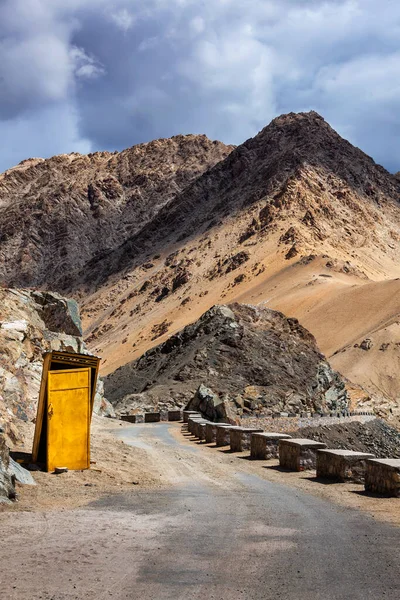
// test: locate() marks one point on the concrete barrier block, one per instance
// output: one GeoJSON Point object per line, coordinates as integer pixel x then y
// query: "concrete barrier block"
{"type": "Point", "coordinates": [202, 426]}
{"type": "Point", "coordinates": [298, 454]}
{"type": "Point", "coordinates": [211, 431]}
{"type": "Point", "coordinates": [174, 415]}
{"type": "Point", "coordinates": [382, 476]}
{"type": "Point", "coordinates": [192, 421]}
{"type": "Point", "coordinates": [264, 446]}
{"type": "Point", "coordinates": [342, 465]}
{"type": "Point", "coordinates": [189, 413]}
{"type": "Point", "coordinates": [196, 427]}
{"type": "Point", "coordinates": [222, 436]}
{"type": "Point", "coordinates": [132, 418]}
{"type": "Point", "coordinates": [152, 417]}
{"type": "Point", "coordinates": [239, 438]}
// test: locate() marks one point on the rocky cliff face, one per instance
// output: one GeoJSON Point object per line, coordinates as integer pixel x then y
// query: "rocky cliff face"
{"type": "Point", "coordinates": [254, 358]}
{"type": "Point", "coordinates": [57, 214]}
{"type": "Point", "coordinates": [32, 323]}
{"type": "Point", "coordinates": [7, 482]}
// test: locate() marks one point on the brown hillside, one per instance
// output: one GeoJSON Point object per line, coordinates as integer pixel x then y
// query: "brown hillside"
{"type": "Point", "coordinates": [297, 219]}
{"type": "Point", "coordinates": [57, 214]}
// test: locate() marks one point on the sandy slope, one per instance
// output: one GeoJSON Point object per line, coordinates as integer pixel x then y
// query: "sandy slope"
{"type": "Point", "coordinates": [339, 304]}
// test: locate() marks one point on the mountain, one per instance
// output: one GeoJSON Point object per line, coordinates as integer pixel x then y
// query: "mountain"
{"type": "Point", "coordinates": [57, 214]}
{"type": "Point", "coordinates": [295, 219]}
{"type": "Point", "coordinates": [252, 358]}
{"type": "Point", "coordinates": [297, 171]}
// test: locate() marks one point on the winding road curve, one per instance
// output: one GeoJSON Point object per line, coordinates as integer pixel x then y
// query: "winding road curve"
{"type": "Point", "coordinates": [215, 534]}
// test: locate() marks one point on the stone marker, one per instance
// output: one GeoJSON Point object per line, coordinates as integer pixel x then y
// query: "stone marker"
{"type": "Point", "coordinates": [152, 417]}
{"type": "Point", "coordinates": [342, 465]}
{"type": "Point", "coordinates": [211, 431]}
{"type": "Point", "coordinates": [239, 439]}
{"type": "Point", "coordinates": [197, 428]}
{"type": "Point", "coordinates": [201, 428]}
{"type": "Point", "coordinates": [188, 413]}
{"type": "Point", "coordinates": [298, 454]}
{"type": "Point", "coordinates": [192, 421]}
{"type": "Point", "coordinates": [382, 476]}
{"type": "Point", "coordinates": [174, 415]}
{"type": "Point", "coordinates": [222, 436]}
{"type": "Point", "coordinates": [133, 418]}
{"type": "Point", "coordinates": [264, 446]}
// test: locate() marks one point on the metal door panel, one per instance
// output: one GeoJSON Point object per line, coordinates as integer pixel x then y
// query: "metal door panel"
{"type": "Point", "coordinates": [68, 419]}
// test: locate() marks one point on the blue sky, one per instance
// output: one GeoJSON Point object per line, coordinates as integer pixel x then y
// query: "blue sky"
{"type": "Point", "coordinates": [86, 75]}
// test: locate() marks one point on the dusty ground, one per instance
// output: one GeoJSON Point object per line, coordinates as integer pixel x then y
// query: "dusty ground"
{"type": "Point", "coordinates": [126, 457]}
{"type": "Point", "coordinates": [205, 524]}
{"type": "Point", "coordinates": [115, 467]}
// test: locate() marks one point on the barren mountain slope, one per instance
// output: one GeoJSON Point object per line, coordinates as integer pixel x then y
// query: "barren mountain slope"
{"type": "Point", "coordinates": [57, 214]}
{"type": "Point", "coordinates": [251, 357]}
{"type": "Point", "coordinates": [296, 218]}
{"type": "Point", "coordinates": [297, 171]}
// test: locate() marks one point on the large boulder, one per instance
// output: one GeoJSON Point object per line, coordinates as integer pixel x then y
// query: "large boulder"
{"type": "Point", "coordinates": [212, 406]}
{"type": "Point", "coordinates": [252, 358]}
{"type": "Point", "coordinates": [58, 313]}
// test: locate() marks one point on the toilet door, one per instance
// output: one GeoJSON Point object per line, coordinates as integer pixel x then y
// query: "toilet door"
{"type": "Point", "coordinates": [68, 419]}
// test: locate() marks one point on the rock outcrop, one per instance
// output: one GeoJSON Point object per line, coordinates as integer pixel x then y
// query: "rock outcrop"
{"type": "Point", "coordinates": [56, 215]}
{"type": "Point", "coordinates": [252, 358]}
{"type": "Point", "coordinates": [7, 481]}
{"type": "Point", "coordinates": [32, 323]}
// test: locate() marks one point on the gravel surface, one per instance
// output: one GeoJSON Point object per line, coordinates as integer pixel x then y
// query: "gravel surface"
{"type": "Point", "coordinates": [223, 528]}
{"type": "Point", "coordinates": [375, 437]}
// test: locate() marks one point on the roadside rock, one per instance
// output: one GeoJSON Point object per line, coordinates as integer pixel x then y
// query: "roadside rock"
{"type": "Point", "coordinates": [21, 475]}
{"type": "Point", "coordinates": [7, 480]}
{"type": "Point", "coordinates": [376, 437]}
{"type": "Point", "coordinates": [212, 406]}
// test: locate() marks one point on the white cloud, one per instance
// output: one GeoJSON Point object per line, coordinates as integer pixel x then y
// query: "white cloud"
{"type": "Point", "coordinates": [123, 19]}
{"type": "Point", "coordinates": [222, 67]}
{"type": "Point", "coordinates": [85, 66]}
{"type": "Point", "coordinates": [197, 25]}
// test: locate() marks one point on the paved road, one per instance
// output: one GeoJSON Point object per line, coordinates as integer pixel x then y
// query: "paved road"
{"type": "Point", "coordinates": [235, 537]}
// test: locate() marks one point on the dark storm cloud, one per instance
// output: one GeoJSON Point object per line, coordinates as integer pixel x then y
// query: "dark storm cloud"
{"type": "Point", "coordinates": [95, 74]}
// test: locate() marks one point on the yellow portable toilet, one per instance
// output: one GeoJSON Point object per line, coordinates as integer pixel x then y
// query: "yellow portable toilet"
{"type": "Point", "coordinates": [62, 432]}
